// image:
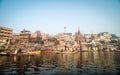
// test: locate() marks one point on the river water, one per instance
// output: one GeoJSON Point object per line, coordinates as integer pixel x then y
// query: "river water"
{"type": "Point", "coordinates": [82, 63]}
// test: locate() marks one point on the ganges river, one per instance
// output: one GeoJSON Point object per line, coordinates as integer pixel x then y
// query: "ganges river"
{"type": "Point", "coordinates": [48, 63]}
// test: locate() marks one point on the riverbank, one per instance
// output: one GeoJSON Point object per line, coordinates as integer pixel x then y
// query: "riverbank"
{"type": "Point", "coordinates": [85, 63]}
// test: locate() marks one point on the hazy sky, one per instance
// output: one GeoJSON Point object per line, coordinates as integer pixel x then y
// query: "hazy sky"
{"type": "Point", "coordinates": [51, 16]}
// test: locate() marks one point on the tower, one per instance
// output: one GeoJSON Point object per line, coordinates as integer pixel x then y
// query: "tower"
{"type": "Point", "coordinates": [65, 29]}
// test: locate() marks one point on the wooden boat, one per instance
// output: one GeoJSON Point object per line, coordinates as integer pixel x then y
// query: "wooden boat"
{"type": "Point", "coordinates": [27, 53]}
{"type": "Point", "coordinates": [4, 53]}
{"type": "Point", "coordinates": [33, 52]}
{"type": "Point", "coordinates": [47, 51]}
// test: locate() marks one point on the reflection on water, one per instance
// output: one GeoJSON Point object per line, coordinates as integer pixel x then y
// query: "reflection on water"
{"type": "Point", "coordinates": [86, 63]}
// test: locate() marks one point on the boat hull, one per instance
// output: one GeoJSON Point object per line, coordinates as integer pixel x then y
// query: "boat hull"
{"type": "Point", "coordinates": [27, 53]}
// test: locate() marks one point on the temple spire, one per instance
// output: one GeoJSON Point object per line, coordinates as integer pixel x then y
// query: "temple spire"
{"type": "Point", "coordinates": [78, 36]}
{"type": "Point", "coordinates": [79, 33]}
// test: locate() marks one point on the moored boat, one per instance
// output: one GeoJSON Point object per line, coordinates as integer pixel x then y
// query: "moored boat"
{"type": "Point", "coordinates": [47, 51]}
{"type": "Point", "coordinates": [4, 53]}
{"type": "Point", "coordinates": [33, 52]}
{"type": "Point", "coordinates": [27, 53]}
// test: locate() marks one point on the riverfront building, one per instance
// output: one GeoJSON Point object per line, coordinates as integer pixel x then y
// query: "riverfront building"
{"type": "Point", "coordinates": [36, 37]}
{"type": "Point", "coordinates": [5, 34]}
{"type": "Point", "coordinates": [24, 36]}
{"type": "Point", "coordinates": [104, 36]}
{"type": "Point", "coordinates": [15, 39]}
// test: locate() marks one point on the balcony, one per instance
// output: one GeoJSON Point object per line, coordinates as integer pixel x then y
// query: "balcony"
{"type": "Point", "coordinates": [7, 35]}
{"type": "Point", "coordinates": [6, 31]}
